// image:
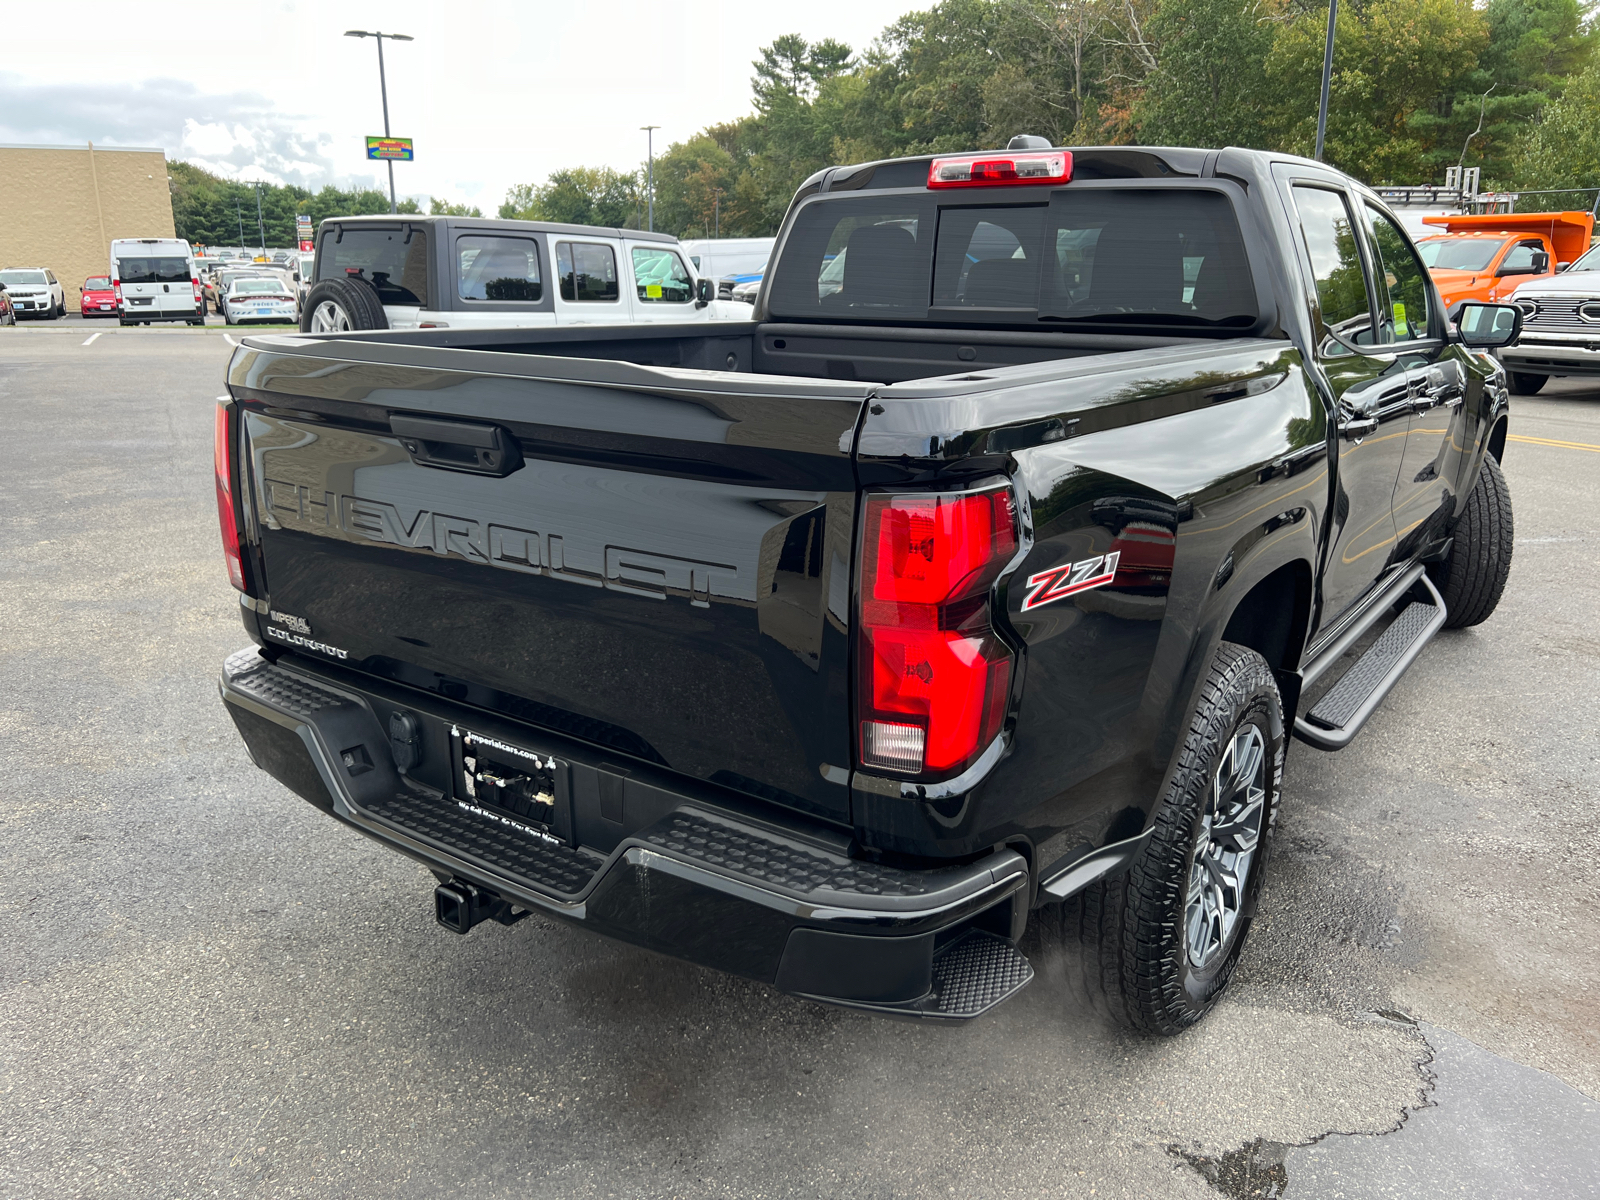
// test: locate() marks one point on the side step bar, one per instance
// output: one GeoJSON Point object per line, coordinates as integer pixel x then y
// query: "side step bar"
{"type": "Point", "coordinates": [1336, 718]}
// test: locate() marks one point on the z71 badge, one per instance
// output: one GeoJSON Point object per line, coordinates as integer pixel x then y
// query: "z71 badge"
{"type": "Point", "coordinates": [1069, 579]}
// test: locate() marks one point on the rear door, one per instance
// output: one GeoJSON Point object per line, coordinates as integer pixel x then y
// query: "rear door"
{"type": "Point", "coordinates": [392, 258]}
{"type": "Point", "coordinates": [156, 282]}
{"type": "Point", "coordinates": [590, 288]}
{"type": "Point", "coordinates": [1371, 385]}
{"type": "Point", "coordinates": [666, 575]}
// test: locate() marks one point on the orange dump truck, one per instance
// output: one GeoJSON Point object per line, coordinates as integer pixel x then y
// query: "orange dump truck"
{"type": "Point", "coordinates": [1488, 256]}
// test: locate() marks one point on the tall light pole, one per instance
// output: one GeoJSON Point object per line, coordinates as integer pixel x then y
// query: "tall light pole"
{"type": "Point", "coordinates": [650, 170]}
{"type": "Point", "coordinates": [716, 211]}
{"type": "Point", "coordinates": [383, 86]}
{"type": "Point", "coordinates": [261, 225]}
{"type": "Point", "coordinates": [1327, 77]}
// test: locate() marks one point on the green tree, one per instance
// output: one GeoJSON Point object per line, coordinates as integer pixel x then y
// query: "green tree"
{"type": "Point", "coordinates": [1563, 149]}
{"type": "Point", "coordinates": [1206, 89]}
{"type": "Point", "coordinates": [440, 207]}
{"type": "Point", "coordinates": [1392, 60]}
{"type": "Point", "coordinates": [578, 196]}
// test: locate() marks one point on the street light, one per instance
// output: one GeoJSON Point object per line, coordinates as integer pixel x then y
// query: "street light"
{"type": "Point", "coordinates": [650, 169]}
{"type": "Point", "coordinates": [1327, 77]}
{"type": "Point", "coordinates": [383, 86]}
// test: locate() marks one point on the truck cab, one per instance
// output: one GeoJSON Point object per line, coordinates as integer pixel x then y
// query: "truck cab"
{"type": "Point", "coordinates": [1487, 256]}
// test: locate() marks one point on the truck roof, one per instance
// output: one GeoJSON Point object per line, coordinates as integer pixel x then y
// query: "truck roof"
{"type": "Point", "coordinates": [493, 223]}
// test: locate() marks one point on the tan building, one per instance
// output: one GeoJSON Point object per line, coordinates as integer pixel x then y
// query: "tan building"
{"type": "Point", "coordinates": [60, 207]}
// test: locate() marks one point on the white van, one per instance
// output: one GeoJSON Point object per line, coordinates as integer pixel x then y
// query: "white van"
{"type": "Point", "coordinates": [730, 261]}
{"type": "Point", "coordinates": [155, 279]}
{"type": "Point", "coordinates": [411, 272]}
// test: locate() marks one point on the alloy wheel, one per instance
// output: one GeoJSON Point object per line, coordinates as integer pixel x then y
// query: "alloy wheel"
{"type": "Point", "coordinates": [1230, 834]}
{"type": "Point", "coordinates": [328, 317]}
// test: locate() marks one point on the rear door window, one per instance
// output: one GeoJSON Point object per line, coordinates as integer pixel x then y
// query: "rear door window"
{"type": "Point", "coordinates": [587, 271]}
{"type": "Point", "coordinates": [150, 269]}
{"type": "Point", "coordinates": [498, 268]}
{"type": "Point", "coordinates": [393, 259]}
{"type": "Point", "coordinates": [660, 276]}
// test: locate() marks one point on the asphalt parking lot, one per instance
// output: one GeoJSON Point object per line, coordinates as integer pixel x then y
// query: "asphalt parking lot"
{"type": "Point", "coordinates": [208, 988]}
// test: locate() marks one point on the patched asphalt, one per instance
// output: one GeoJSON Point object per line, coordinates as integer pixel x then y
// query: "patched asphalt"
{"type": "Point", "coordinates": [209, 988]}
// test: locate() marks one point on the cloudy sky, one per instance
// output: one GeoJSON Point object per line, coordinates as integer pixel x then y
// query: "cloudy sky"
{"type": "Point", "coordinates": [493, 93]}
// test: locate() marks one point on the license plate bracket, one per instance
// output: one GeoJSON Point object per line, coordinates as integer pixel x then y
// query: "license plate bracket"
{"type": "Point", "coordinates": [506, 780]}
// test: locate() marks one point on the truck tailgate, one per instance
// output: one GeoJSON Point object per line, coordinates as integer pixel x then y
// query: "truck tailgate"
{"type": "Point", "coordinates": [666, 574]}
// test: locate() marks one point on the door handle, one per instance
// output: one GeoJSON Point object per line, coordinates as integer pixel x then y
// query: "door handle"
{"type": "Point", "coordinates": [457, 445]}
{"type": "Point", "coordinates": [1357, 428]}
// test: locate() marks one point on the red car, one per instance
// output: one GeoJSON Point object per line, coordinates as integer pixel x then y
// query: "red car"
{"type": "Point", "coordinates": [98, 298]}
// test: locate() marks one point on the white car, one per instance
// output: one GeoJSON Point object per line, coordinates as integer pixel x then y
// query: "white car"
{"type": "Point", "coordinates": [260, 300]}
{"type": "Point", "coordinates": [35, 292]}
{"type": "Point", "coordinates": [410, 272]}
{"type": "Point", "coordinates": [1560, 327]}
{"type": "Point", "coordinates": [732, 262]}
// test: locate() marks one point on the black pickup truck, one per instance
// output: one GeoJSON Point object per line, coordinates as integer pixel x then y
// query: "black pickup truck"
{"type": "Point", "coordinates": [990, 567]}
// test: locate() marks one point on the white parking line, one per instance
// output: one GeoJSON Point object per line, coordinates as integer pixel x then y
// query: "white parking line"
{"type": "Point", "coordinates": [229, 340]}
{"type": "Point", "coordinates": [89, 341]}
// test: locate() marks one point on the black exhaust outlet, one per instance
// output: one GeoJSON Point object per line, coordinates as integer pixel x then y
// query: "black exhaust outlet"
{"type": "Point", "coordinates": [459, 905]}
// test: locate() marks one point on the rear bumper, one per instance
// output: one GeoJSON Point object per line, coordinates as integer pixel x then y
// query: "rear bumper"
{"type": "Point", "coordinates": [698, 878]}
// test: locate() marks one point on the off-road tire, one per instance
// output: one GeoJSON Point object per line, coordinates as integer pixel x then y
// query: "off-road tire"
{"type": "Point", "coordinates": [1524, 384]}
{"type": "Point", "coordinates": [355, 298]}
{"type": "Point", "coordinates": [1473, 578]}
{"type": "Point", "coordinates": [1134, 948]}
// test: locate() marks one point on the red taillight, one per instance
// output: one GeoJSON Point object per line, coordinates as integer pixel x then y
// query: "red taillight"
{"type": "Point", "coordinates": [991, 170]}
{"type": "Point", "coordinates": [933, 677]}
{"type": "Point", "coordinates": [196, 283]}
{"type": "Point", "coordinates": [222, 459]}
{"type": "Point", "coordinates": [116, 290]}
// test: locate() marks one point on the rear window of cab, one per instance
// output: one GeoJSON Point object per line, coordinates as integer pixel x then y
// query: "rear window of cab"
{"type": "Point", "coordinates": [1106, 257]}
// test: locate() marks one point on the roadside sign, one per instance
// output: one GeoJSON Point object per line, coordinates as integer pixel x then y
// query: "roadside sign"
{"type": "Point", "coordinates": [398, 149]}
{"type": "Point", "coordinates": [306, 247]}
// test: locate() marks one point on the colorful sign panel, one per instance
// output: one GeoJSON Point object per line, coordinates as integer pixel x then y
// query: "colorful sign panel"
{"type": "Point", "coordinates": [397, 149]}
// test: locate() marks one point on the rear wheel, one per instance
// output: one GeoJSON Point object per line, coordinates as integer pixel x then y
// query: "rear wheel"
{"type": "Point", "coordinates": [1472, 580]}
{"type": "Point", "coordinates": [1523, 384]}
{"type": "Point", "coordinates": [1161, 940]}
{"type": "Point", "coordinates": [342, 305]}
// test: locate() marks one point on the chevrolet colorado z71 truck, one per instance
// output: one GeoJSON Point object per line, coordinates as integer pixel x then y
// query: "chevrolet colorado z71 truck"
{"type": "Point", "coordinates": [987, 571]}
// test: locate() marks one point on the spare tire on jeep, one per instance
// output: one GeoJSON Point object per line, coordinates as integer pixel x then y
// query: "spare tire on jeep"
{"type": "Point", "coordinates": [341, 305]}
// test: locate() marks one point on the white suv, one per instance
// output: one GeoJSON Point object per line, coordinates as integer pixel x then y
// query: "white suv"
{"type": "Point", "coordinates": [35, 292]}
{"type": "Point", "coordinates": [410, 272]}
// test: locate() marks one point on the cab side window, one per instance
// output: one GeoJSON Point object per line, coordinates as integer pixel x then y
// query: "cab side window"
{"type": "Point", "coordinates": [660, 276]}
{"type": "Point", "coordinates": [1403, 303]}
{"type": "Point", "coordinates": [1330, 236]}
{"type": "Point", "coordinates": [498, 268]}
{"type": "Point", "coordinates": [587, 271]}
{"type": "Point", "coordinates": [1526, 257]}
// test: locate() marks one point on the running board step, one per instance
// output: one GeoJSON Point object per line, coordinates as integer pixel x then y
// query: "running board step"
{"type": "Point", "coordinates": [1336, 718]}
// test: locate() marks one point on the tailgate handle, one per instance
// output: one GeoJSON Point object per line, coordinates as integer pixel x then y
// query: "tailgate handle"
{"type": "Point", "coordinates": [457, 445]}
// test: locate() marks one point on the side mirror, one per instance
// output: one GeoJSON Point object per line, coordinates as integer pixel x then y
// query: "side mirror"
{"type": "Point", "coordinates": [1541, 262]}
{"type": "Point", "coordinates": [1486, 326]}
{"type": "Point", "coordinates": [705, 292]}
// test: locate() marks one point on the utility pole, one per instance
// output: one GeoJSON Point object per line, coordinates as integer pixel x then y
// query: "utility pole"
{"type": "Point", "coordinates": [716, 211]}
{"type": "Point", "coordinates": [261, 225]}
{"type": "Point", "coordinates": [1327, 77]}
{"type": "Point", "coordinates": [383, 87]}
{"type": "Point", "coordinates": [238, 208]}
{"type": "Point", "coordinates": [650, 170]}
